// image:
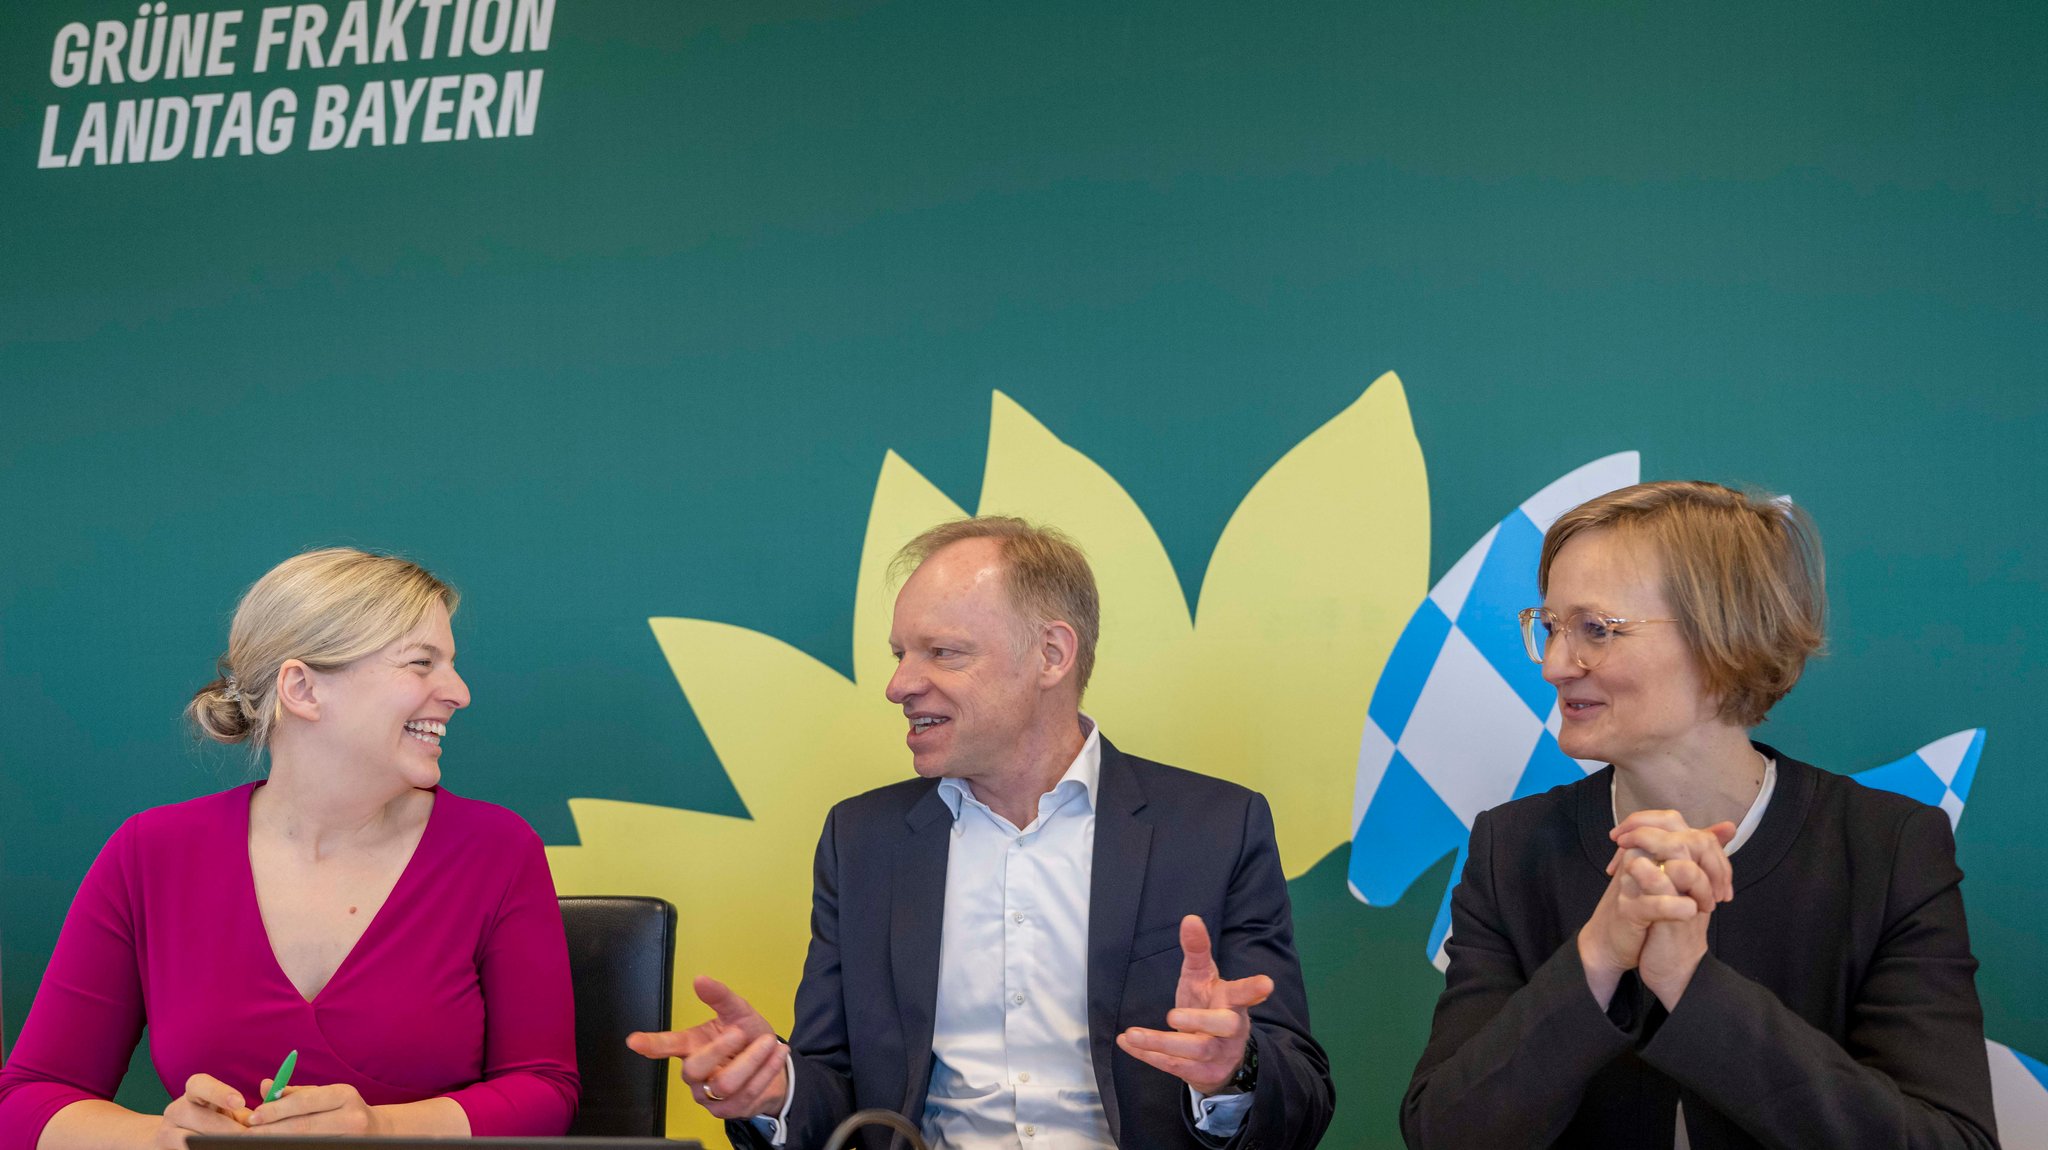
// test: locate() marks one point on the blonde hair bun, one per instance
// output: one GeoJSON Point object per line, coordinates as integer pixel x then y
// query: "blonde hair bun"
{"type": "Point", "coordinates": [325, 608]}
{"type": "Point", "coordinates": [219, 714]}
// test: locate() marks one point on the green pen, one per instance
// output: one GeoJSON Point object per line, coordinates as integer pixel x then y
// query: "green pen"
{"type": "Point", "coordinates": [282, 1078]}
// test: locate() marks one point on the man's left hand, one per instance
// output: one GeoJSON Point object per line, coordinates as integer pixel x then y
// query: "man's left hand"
{"type": "Point", "coordinates": [1211, 1018]}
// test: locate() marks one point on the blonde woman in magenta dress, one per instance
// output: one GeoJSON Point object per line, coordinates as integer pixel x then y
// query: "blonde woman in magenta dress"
{"type": "Point", "coordinates": [404, 940]}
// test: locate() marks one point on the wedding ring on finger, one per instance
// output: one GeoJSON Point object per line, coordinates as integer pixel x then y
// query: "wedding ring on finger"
{"type": "Point", "coordinates": [711, 1094]}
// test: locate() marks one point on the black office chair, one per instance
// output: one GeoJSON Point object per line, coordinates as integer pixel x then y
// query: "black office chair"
{"type": "Point", "coordinates": [622, 964]}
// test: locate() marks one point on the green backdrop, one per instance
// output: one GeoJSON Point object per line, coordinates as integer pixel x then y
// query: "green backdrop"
{"type": "Point", "coordinates": [646, 360]}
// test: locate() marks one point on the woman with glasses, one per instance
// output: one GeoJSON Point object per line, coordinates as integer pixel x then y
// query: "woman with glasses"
{"type": "Point", "coordinates": [1708, 943]}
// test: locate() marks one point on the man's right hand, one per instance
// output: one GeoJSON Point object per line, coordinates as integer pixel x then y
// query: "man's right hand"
{"type": "Point", "coordinates": [733, 1064]}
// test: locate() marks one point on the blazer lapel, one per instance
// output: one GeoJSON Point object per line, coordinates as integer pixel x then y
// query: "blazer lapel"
{"type": "Point", "coordinates": [1123, 843]}
{"type": "Point", "coordinates": [1782, 821]}
{"type": "Point", "coordinates": [917, 916]}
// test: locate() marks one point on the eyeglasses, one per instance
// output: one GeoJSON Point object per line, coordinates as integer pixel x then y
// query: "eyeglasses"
{"type": "Point", "coordinates": [1586, 634]}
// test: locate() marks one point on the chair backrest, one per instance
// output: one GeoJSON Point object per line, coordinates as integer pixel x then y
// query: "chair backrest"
{"type": "Point", "coordinates": [622, 964]}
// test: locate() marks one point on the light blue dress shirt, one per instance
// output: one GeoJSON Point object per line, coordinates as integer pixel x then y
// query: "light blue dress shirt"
{"type": "Point", "coordinates": [1010, 1052]}
{"type": "Point", "coordinates": [1011, 1068]}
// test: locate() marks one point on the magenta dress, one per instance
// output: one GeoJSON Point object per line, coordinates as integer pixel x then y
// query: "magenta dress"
{"type": "Point", "coordinates": [459, 988]}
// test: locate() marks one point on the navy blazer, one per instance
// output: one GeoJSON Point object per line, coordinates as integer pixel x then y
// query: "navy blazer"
{"type": "Point", "coordinates": [1168, 843]}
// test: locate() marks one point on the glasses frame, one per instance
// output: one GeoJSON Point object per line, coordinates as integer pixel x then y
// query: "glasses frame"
{"type": "Point", "coordinates": [1530, 616]}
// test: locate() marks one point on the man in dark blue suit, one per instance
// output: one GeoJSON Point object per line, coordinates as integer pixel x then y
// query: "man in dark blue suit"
{"type": "Point", "coordinates": [1013, 950]}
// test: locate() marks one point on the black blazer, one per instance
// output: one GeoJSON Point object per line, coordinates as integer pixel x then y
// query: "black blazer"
{"type": "Point", "coordinates": [1836, 1006]}
{"type": "Point", "coordinates": [1167, 843]}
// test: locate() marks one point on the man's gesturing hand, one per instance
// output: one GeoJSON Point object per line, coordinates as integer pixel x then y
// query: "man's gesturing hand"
{"type": "Point", "coordinates": [1211, 1018]}
{"type": "Point", "coordinates": [733, 1064]}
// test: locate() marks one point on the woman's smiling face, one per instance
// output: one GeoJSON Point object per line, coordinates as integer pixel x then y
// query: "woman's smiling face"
{"type": "Point", "coordinates": [1645, 695]}
{"type": "Point", "coordinates": [390, 709]}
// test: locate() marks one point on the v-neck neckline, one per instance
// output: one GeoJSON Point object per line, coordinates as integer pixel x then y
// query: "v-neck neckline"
{"type": "Point", "coordinates": [256, 906]}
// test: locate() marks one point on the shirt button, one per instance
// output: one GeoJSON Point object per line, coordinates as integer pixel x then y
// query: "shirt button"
{"type": "Point", "coordinates": [1017, 916]}
{"type": "Point", "coordinates": [1017, 999]}
{"type": "Point", "coordinates": [1031, 1132]}
{"type": "Point", "coordinates": [1024, 1076]}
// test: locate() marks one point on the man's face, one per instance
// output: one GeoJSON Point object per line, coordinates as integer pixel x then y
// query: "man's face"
{"type": "Point", "coordinates": [967, 673]}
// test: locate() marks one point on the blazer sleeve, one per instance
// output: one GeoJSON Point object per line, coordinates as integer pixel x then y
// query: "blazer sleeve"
{"type": "Point", "coordinates": [1294, 1098]}
{"type": "Point", "coordinates": [530, 1086]}
{"type": "Point", "coordinates": [1912, 1070]}
{"type": "Point", "coordinates": [822, 1094]}
{"type": "Point", "coordinates": [1511, 1051]}
{"type": "Point", "coordinates": [88, 1013]}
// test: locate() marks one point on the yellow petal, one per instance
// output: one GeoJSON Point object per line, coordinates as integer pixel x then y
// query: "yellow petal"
{"type": "Point", "coordinates": [1309, 587]}
{"type": "Point", "coordinates": [905, 505]}
{"type": "Point", "coordinates": [780, 721]}
{"type": "Point", "coordinates": [1032, 474]}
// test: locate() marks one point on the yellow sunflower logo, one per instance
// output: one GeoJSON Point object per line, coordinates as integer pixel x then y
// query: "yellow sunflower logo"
{"type": "Point", "coordinates": [1262, 682]}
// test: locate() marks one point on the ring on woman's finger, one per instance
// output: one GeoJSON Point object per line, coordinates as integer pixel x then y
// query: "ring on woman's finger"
{"type": "Point", "coordinates": [712, 1094]}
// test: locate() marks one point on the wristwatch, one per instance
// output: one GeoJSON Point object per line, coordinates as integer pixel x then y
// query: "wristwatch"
{"type": "Point", "coordinates": [1247, 1075]}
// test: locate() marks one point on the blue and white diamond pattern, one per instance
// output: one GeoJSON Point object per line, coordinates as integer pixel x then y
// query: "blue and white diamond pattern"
{"type": "Point", "coordinates": [1461, 719]}
{"type": "Point", "coordinates": [1938, 774]}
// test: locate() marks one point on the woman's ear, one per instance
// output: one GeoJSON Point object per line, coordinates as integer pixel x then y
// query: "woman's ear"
{"type": "Point", "coordinates": [297, 691]}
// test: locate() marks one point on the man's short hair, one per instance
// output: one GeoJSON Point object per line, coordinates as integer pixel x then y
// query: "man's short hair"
{"type": "Point", "coordinates": [1743, 572]}
{"type": "Point", "coordinates": [1046, 575]}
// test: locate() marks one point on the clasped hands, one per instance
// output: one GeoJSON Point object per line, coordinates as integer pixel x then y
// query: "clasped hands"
{"type": "Point", "coordinates": [210, 1106]}
{"type": "Point", "coordinates": [737, 1069]}
{"type": "Point", "coordinates": [1666, 880]}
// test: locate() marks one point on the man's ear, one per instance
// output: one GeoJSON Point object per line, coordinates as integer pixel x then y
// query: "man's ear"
{"type": "Point", "coordinates": [1058, 648]}
{"type": "Point", "coordinates": [298, 690]}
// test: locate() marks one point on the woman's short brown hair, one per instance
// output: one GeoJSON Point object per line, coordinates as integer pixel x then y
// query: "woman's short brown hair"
{"type": "Point", "coordinates": [1045, 573]}
{"type": "Point", "coordinates": [1744, 573]}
